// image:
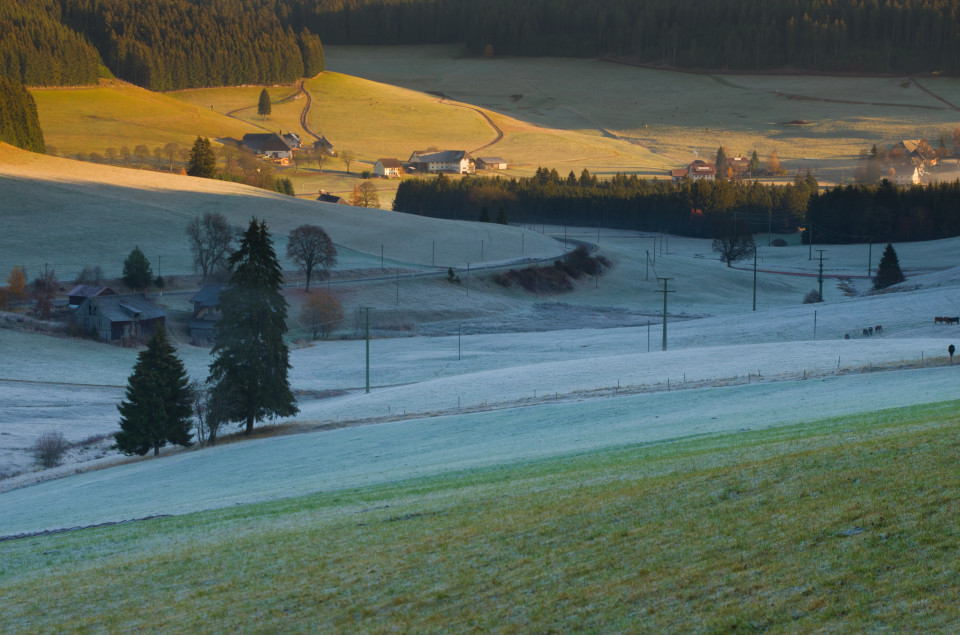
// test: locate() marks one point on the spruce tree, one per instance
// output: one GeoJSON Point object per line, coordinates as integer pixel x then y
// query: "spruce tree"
{"type": "Point", "coordinates": [136, 270]}
{"type": "Point", "coordinates": [263, 106]}
{"type": "Point", "coordinates": [202, 161]}
{"type": "Point", "coordinates": [888, 271]}
{"type": "Point", "coordinates": [249, 372]}
{"type": "Point", "coordinates": [157, 406]}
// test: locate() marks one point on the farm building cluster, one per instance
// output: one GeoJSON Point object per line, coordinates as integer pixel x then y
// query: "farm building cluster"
{"type": "Point", "coordinates": [109, 316]}
{"type": "Point", "coordinates": [430, 162]}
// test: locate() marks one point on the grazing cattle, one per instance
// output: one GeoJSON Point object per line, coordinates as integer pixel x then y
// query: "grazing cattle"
{"type": "Point", "coordinates": [846, 336]}
{"type": "Point", "coordinates": [952, 320]}
{"type": "Point", "coordinates": [866, 333]}
{"type": "Point", "coordinates": [871, 330]}
{"type": "Point", "coordinates": [939, 320]}
{"type": "Point", "coordinates": [878, 329]}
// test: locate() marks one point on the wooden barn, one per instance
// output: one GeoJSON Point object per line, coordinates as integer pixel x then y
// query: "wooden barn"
{"type": "Point", "coordinates": [115, 317]}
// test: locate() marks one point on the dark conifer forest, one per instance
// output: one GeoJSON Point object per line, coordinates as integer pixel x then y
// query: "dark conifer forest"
{"type": "Point", "coordinates": [19, 124]}
{"type": "Point", "coordinates": [856, 213]}
{"type": "Point", "coordinates": [174, 44]}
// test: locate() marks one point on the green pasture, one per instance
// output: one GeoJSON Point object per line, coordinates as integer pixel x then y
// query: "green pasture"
{"type": "Point", "coordinates": [845, 524]}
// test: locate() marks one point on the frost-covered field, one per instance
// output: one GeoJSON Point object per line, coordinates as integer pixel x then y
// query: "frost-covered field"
{"type": "Point", "coordinates": [442, 403]}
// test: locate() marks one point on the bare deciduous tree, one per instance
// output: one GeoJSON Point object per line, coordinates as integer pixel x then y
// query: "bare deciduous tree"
{"type": "Point", "coordinates": [171, 151]}
{"type": "Point", "coordinates": [44, 290]}
{"type": "Point", "coordinates": [141, 152]}
{"type": "Point", "coordinates": [348, 157]}
{"type": "Point", "coordinates": [322, 313]}
{"type": "Point", "coordinates": [367, 195]}
{"type": "Point", "coordinates": [311, 249]}
{"type": "Point", "coordinates": [49, 448]}
{"type": "Point", "coordinates": [732, 240]}
{"type": "Point", "coordinates": [211, 241]}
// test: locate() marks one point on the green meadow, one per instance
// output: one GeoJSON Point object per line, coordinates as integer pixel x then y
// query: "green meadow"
{"type": "Point", "coordinates": [845, 524]}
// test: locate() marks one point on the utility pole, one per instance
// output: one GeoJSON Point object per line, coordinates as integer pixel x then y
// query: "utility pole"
{"type": "Point", "coordinates": [368, 349]}
{"type": "Point", "coordinates": [647, 276]}
{"type": "Point", "coordinates": [754, 278]}
{"type": "Point", "coordinates": [870, 258]}
{"type": "Point", "coordinates": [665, 292]}
{"type": "Point", "coordinates": [820, 275]}
{"type": "Point", "coordinates": [810, 241]}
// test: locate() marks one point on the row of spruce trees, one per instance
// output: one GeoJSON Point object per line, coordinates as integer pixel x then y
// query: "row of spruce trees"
{"type": "Point", "coordinates": [248, 379]}
{"type": "Point", "coordinates": [174, 44]}
{"type": "Point", "coordinates": [687, 208]}
{"type": "Point", "coordinates": [856, 213]}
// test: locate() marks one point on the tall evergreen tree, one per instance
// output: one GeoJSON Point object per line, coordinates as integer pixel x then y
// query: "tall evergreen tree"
{"type": "Point", "coordinates": [888, 271]}
{"type": "Point", "coordinates": [203, 162]}
{"type": "Point", "coordinates": [720, 158]}
{"type": "Point", "coordinates": [249, 372]}
{"type": "Point", "coordinates": [136, 270]}
{"type": "Point", "coordinates": [157, 406]}
{"type": "Point", "coordinates": [264, 107]}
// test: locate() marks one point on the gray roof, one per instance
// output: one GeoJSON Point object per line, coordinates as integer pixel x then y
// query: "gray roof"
{"type": "Point", "coordinates": [332, 198]}
{"type": "Point", "coordinates": [208, 295]}
{"type": "Point", "coordinates": [491, 160]}
{"type": "Point", "coordinates": [88, 290]}
{"type": "Point", "coordinates": [125, 308]}
{"type": "Point", "coordinates": [268, 141]}
{"type": "Point", "coordinates": [447, 156]}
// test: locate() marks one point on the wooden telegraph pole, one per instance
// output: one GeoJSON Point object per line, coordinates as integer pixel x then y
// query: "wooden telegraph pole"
{"type": "Point", "coordinates": [665, 292]}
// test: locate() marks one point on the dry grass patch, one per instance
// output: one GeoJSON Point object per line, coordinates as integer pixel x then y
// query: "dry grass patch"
{"type": "Point", "coordinates": [92, 119]}
{"type": "Point", "coordinates": [812, 527]}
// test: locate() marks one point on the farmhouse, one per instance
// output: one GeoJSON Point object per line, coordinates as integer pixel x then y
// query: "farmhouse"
{"type": "Point", "coordinates": [908, 174]}
{"type": "Point", "coordinates": [81, 292]}
{"type": "Point", "coordinates": [327, 197]}
{"type": "Point", "coordinates": [113, 317]}
{"type": "Point", "coordinates": [695, 171]}
{"type": "Point", "coordinates": [455, 161]}
{"type": "Point", "coordinates": [740, 166]}
{"type": "Point", "coordinates": [206, 312]}
{"type": "Point", "coordinates": [272, 145]}
{"type": "Point", "coordinates": [918, 151]}
{"type": "Point", "coordinates": [388, 168]}
{"type": "Point", "coordinates": [491, 163]}
{"type": "Point", "coordinates": [700, 169]}
{"type": "Point", "coordinates": [324, 144]}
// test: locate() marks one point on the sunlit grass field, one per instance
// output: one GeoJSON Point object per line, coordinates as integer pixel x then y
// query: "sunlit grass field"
{"type": "Point", "coordinates": [116, 114]}
{"type": "Point", "coordinates": [843, 524]}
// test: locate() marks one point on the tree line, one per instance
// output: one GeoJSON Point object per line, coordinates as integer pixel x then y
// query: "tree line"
{"type": "Point", "coordinates": [845, 214]}
{"type": "Point", "coordinates": [686, 208]}
{"type": "Point", "coordinates": [174, 44]}
{"type": "Point", "coordinates": [19, 123]}
{"type": "Point", "coordinates": [828, 35]}
{"type": "Point", "coordinates": [885, 213]}
{"type": "Point", "coordinates": [38, 49]}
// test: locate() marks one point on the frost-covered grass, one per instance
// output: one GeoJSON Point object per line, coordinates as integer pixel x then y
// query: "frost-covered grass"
{"type": "Point", "coordinates": [811, 527]}
{"type": "Point", "coordinates": [94, 215]}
